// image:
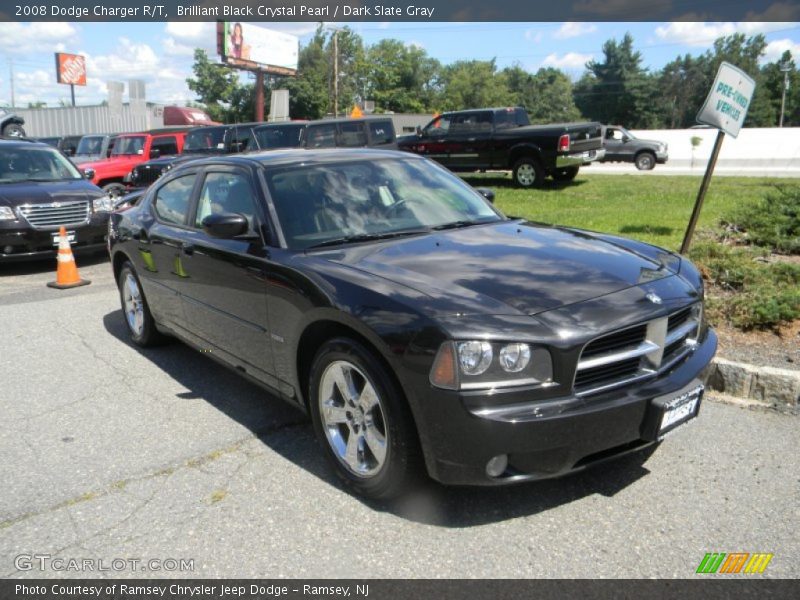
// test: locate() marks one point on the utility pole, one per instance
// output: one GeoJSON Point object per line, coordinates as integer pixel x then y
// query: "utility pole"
{"type": "Point", "coordinates": [785, 68]}
{"type": "Point", "coordinates": [336, 73]}
{"type": "Point", "coordinates": [11, 79]}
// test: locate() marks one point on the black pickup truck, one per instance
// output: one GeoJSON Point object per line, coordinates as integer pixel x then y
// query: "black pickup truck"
{"type": "Point", "coordinates": [503, 139]}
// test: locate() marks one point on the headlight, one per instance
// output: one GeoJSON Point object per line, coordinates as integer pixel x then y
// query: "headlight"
{"type": "Point", "coordinates": [103, 204]}
{"type": "Point", "coordinates": [476, 364]}
{"type": "Point", "coordinates": [6, 214]}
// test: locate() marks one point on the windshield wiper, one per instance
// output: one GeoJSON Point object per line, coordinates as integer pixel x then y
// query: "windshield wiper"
{"type": "Point", "coordinates": [368, 237]}
{"type": "Point", "coordinates": [457, 224]}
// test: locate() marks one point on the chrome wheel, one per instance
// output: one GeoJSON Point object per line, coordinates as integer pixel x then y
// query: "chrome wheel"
{"type": "Point", "coordinates": [526, 175]}
{"type": "Point", "coordinates": [353, 419]}
{"type": "Point", "coordinates": [134, 307]}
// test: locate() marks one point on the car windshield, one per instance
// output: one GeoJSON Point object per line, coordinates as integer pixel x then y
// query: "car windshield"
{"type": "Point", "coordinates": [35, 164]}
{"type": "Point", "coordinates": [205, 140]}
{"type": "Point", "coordinates": [284, 136]}
{"type": "Point", "coordinates": [129, 145]}
{"type": "Point", "coordinates": [327, 204]}
{"type": "Point", "coordinates": [90, 145]}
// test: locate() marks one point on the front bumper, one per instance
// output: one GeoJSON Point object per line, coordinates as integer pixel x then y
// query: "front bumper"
{"type": "Point", "coordinates": [580, 158]}
{"type": "Point", "coordinates": [19, 242]}
{"type": "Point", "coordinates": [662, 157]}
{"type": "Point", "coordinates": [546, 438]}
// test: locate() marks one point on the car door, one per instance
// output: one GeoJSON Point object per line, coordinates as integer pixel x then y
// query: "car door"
{"type": "Point", "coordinates": [160, 247]}
{"type": "Point", "coordinates": [614, 143]}
{"type": "Point", "coordinates": [433, 141]}
{"type": "Point", "coordinates": [223, 293]}
{"type": "Point", "coordinates": [469, 142]}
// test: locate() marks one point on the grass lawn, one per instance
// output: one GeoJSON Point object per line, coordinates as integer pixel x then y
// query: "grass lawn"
{"type": "Point", "coordinates": [652, 208]}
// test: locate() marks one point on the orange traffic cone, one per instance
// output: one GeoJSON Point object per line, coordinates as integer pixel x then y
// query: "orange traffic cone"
{"type": "Point", "coordinates": [356, 112]}
{"type": "Point", "coordinates": [67, 272]}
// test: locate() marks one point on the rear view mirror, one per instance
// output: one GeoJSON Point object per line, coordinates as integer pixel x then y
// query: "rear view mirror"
{"type": "Point", "coordinates": [225, 225]}
{"type": "Point", "coordinates": [486, 193]}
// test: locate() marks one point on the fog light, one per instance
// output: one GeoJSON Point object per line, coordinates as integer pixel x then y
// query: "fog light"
{"type": "Point", "coordinates": [8, 249]}
{"type": "Point", "coordinates": [497, 465]}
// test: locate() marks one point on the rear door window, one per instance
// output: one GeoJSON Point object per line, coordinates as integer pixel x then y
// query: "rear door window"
{"type": "Point", "coordinates": [167, 145]}
{"type": "Point", "coordinates": [321, 136]}
{"type": "Point", "coordinates": [352, 135]}
{"type": "Point", "coordinates": [381, 132]}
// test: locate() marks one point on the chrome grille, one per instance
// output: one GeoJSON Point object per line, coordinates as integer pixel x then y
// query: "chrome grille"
{"type": "Point", "coordinates": [51, 216]}
{"type": "Point", "coordinates": [637, 352]}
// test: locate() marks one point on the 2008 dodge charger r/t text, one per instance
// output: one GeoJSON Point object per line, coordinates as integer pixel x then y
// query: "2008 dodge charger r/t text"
{"type": "Point", "coordinates": [420, 328]}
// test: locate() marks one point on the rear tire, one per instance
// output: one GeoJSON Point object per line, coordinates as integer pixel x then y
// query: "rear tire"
{"type": "Point", "coordinates": [565, 174]}
{"type": "Point", "coordinates": [114, 190]}
{"type": "Point", "coordinates": [645, 161]}
{"type": "Point", "coordinates": [363, 421]}
{"type": "Point", "coordinates": [141, 326]}
{"type": "Point", "coordinates": [528, 173]}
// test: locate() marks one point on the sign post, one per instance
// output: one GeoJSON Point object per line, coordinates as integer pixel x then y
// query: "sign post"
{"type": "Point", "coordinates": [725, 108]}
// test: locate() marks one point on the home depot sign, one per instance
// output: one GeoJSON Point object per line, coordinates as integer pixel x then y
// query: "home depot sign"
{"type": "Point", "coordinates": [70, 68]}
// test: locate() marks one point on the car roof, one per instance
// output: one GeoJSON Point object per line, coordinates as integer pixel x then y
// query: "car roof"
{"type": "Point", "coordinates": [11, 142]}
{"type": "Point", "coordinates": [480, 110]}
{"type": "Point", "coordinates": [281, 124]}
{"type": "Point", "coordinates": [284, 157]}
{"type": "Point", "coordinates": [350, 120]}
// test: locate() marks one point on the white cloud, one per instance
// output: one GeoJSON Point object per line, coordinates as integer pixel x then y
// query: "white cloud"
{"type": "Point", "coordinates": [191, 31]}
{"type": "Point", "coordinates": [775, 50]}
{"type": "Point", "coordinates": [532, 35]}
{"type": "Point", "coordinates": [703, 34]}
{"type": "Point", "coordinates": [570, 60]}
{"type": "Point", "coordinates": [572, 29]}
{"type": "Point", "coordinates": [20, 38]}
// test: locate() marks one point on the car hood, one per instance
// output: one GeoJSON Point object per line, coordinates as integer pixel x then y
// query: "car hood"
{"type": "Point", "coordinates": [35, 192]}
{"type": "Point", "coordinates": [651, 142]}
{"type": "Point", "coordinates": [107, 164]}
{"type": "Point", "coordinates": [512, 267]}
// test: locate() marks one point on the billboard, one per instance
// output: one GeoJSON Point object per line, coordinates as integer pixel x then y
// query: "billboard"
{"type": "Point", "coordinates": [70, 68]}
{"type": "Point", "coordinates": [251, 47]}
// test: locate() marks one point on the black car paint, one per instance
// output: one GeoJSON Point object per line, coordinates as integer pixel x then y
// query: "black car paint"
{"type": "Point", "coordinates": [263, 310]}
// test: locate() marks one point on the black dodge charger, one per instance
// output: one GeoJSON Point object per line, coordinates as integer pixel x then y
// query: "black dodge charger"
{"type": "Point", "coordinates": [421, 328]}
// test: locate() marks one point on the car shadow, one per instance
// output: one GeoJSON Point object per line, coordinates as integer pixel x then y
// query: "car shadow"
{"type": "Point", "coordinates": [48, 264]}
{"type": "Point", "coordinates": [505, 182]}
{"type": "Point", "coordinates": [287, 431]}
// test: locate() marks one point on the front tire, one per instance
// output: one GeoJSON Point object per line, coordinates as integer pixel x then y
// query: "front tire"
{"type": "Point", "coordinates": [565, 174]}
{"type": "Point", "coordinates": [362, 420]}
{"type": "Point", "coordinates": [645, 161]}
{"type": "Point", "coordinates": [528, 173]}
{"type": "Point", "coordinates": [114, 190]}
{"type": "Point", "coordinates": [141, 326]}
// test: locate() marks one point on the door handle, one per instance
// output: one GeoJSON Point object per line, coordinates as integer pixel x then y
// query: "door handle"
{"type": "Point", "coordinates": [188, 249]}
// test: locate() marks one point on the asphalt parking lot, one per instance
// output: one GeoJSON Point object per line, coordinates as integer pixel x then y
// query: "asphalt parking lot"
{"type": "Point", "coordinates": [114, 452]}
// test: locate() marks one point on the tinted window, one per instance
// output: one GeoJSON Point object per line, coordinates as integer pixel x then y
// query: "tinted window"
{"type": "Point", "coordinates": [166, 145]}
{"type": "Point", "coordinates": [172, 200]}
{"type": "Point", "coordinates": [241, 139]}
{"type": "Point", "coordinates": [225, 193]}
{"type": "Point", "coordinates": [505, 119]}
{"type": "Point", "coordinates": [439, 126]}
{"type": "Point", "coordinates": [321, 136]}
{"type": "Point", "coordinates": [472, 123]}
{"type": "Point", "coordinates": [352, 135]}
{"type": "Point", "coordinates": [205, 140]}
{"type": "Point", "coordinates": [381, 132]}
{"type": "Point", "coordinates": [90, 144]}
{"type": "Point", "coordinates": [283, 136]}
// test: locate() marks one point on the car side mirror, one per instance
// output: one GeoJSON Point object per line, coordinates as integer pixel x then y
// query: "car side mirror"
{"type": "Point", "coordinates": [486, 193]}
{"type": "Point", "coordinates": [225, 225]}
{"type": "Point", "coordinates": [155, 153]}
{"type": "Point", "coordinates": [420, 133]}
{"type": "Point", "coordinates": [625, 138]}
{"type": "Point", "coordinates": [88, 173]}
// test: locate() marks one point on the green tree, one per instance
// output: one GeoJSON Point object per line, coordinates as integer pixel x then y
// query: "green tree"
{"type": "Point", "coordinates": [618, 89]}
{"type": "Point", "coordinates": [473, 84]}
{"type": "Point", "coordinates": [683, 83]}
{"type": "Point", "coordinates": [401, 78]}
{"type": "Point", "coordinates": [215, 86]}
{"type": "Point", "coordinates": [773, 79]}
{"type": "Point", "coordinates": [308, 90]}
{"type": "Point", "coordinates": [546, 95]}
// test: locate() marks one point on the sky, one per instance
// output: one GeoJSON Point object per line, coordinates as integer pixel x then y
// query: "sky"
{"type": "Point", "coordinates": [161, 53]}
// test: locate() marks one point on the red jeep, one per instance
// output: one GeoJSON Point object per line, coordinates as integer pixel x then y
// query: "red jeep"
{"type": "Point", "coordinates": [113, 174]}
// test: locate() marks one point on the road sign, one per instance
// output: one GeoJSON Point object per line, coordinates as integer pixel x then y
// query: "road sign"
{"type": "Point", "coordinates": [728, 101]}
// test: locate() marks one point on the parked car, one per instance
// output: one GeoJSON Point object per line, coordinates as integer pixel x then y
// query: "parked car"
{"type": "Point", "coordinates": [94, 147]}
{"type": "Point", "coordinates": [420, 328]}
{"type": "Point", "coordinates": [41, 190]}
{"type": "Point", "coordinates": [199, 142]}
{"type": "Point", "coordinates": [275, 136]}
{"type": "Point", "coordinates": [503, 139]}
{"type": "Point", "coordinates": [68, 144]}
{"type": "Point", "coordinates": [361, 132]}
{"type": "Point", "coordinates": [622, 146]}
{"type": "Point", "coordinates": [130, 149]}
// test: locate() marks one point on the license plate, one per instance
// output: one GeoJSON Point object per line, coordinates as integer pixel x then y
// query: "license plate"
{"type": "Point", "coordinates": [673, 410]}
{"type": "Point", "coordinates": [57, 238]}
